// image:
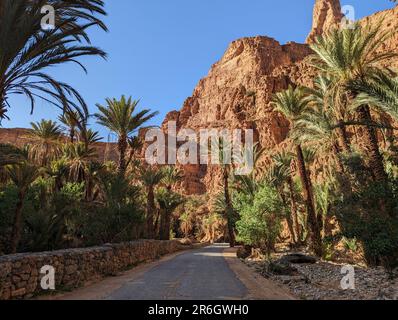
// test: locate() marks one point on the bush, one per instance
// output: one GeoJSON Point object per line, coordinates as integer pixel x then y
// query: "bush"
{"type": "Point", "coordinates": [260, 218]}
{"type": "Point", "coordinates": [361, 217]}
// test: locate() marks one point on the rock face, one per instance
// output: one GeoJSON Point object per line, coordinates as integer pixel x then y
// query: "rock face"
{"type": "Point", "coordinates": [327, 15]}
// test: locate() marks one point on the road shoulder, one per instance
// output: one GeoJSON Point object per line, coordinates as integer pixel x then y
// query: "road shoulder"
{"type": "Point", "coordinates": [259, 288]}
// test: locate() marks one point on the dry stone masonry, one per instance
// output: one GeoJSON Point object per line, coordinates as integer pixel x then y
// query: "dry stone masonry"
{"type": "Point", "coordinates": [20, 276]}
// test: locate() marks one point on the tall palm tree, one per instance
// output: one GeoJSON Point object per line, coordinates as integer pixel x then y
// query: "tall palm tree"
{"type": "Point", "coordinates": [348, 55]}
{"type": "Point", "coordinates": [22, 175]}
{"type": "Point", "coordinates": [292, 103]}
{"type": "Point", "coordinates": [150, 177]}
{"type": "Point", "coordinates": [168, 200]}
{"type": "Point", "coordinates": [283, 165]}
{"type": "Point", "coordinates": [119, 117]}
{"type": "Point", "coordinates": [28, 50]}
{"type": "Point", "coordinates": [44, 141]}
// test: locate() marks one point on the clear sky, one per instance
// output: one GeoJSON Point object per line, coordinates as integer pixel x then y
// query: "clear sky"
{"type": "Point", "coordinates": [159, 49]}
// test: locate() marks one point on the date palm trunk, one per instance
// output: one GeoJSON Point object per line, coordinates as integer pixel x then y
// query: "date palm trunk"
{"type": "Point", "coordinates": [150, 213]}
{"type": "Point", "coordinates": [229, 210]}
{"type": "Point", "coordinates": [343, 140]}
{"type": "Point", "coordinates": [375, 158]}
{"type": "Point", "coordinates": [17, 227]}
{"type": "Point", "coordinates": [294, 210]}
{"type": "Point", "coordinates": [122, 147]}
{"type": "Point", "coordinates": [289, 218]}
{"type": "Point", "coordinates": [165, 222]}
{"type": "Point", "coordinates": [312, 220]}
{"type": "Point", "coordinates": [372, 145]}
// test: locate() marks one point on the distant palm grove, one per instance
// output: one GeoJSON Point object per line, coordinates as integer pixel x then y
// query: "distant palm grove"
{"type": "Point", "coordinates": [56, 193]}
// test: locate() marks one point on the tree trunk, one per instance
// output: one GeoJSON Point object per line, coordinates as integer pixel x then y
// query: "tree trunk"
{"type": "Point", "coordinates": [17, 227]}
{"type": "Point", "coordinates": [372, 145]}
{"type": "Point", "coordinates": [72, 135]}
{"type": "Point", "coordinates": [312, 220]}
{"type": "Point", "coordinates": [289, 218]}
{"type": "Point", "coordinates": [150, 213]}
{"type": "Point", "coordinates": [343, 137]}
{"type": "Point", "coordinates": [165, 221]}
{"type": "Point", "coordinates": [229, 210]}
{"type": "Point", "coordinates": [294, 210]}
{"type": "Point", "coordinates": [122, 147]}
{"type": "Point", "coordinates": [340, 165]}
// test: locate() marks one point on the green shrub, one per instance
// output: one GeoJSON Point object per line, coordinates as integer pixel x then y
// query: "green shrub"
{"type": "Point", "coordinates": [361, 217]}
{"type": "Point", "coordinates": [260, 218]}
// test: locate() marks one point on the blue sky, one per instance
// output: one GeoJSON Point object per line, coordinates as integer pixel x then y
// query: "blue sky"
{"type": "Point", "coordinates": [159, 50]}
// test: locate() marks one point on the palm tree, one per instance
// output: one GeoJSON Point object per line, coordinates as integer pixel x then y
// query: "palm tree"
{"type": "Point", "coordinates": [378, 90]}
{"type": "Point", "coordinates": [44, 141]}
{"type": "Point", "coordinates": [226, 169]}
{"type": "Point", "coordinates": [349, 55]}
{"type": "Point", "coordinates": [27, 49]}
{"type": "Point", "coordinates": [321, 122]}
{"type": "Point", "coordinates": [135, 143]}
{"type": "Point", "coordinates": [89, 137]}
{"type": "Point", "coordinates": [150, 178]}
{"type": "Point", "coordinates": [283, 165]}
{"type": "Point", "coordinates": [78, 158]}
{"type": "Point", "coordinates": [292, 103]}
{"type": "Point", "coordinates": [10, 155]}
{"type": "Point", "coordinates": [22, 175]}
{"type": "Point", "coordinates": [119, 117]}
{"type": "Point", "coordinates": [71, 119]}
{"type": "Point", "coordinates": [168, 202]}
{"type": "Point", "coordinates": [172, 176]}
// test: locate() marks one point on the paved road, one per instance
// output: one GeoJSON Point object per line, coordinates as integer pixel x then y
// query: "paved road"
{"type": "Point", "coordinates": [202, 274]}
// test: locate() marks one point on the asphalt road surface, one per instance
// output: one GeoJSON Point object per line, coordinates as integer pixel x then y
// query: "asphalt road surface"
{"type": "Point", "coordinates": [202, 274]}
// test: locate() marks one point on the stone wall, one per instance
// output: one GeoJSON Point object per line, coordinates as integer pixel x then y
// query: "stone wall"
{"type": "Point", "coordinates": [20, 274]}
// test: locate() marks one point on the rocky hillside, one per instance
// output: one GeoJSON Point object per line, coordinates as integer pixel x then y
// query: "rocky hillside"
{"type": "Point", "coordinates": [17, 136]}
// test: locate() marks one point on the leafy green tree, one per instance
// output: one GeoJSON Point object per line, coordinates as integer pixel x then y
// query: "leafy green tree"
{"type": "Point", "coordinates": [120, 117]}
{"type": "Point", "coordinates": [260, 218]}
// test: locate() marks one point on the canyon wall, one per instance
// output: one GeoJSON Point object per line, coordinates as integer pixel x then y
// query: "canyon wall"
{"type": "Point", "coordinates": [238, 90]}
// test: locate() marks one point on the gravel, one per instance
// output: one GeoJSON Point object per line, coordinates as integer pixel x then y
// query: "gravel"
{"type": "Point", "coordinates": [322, 281]}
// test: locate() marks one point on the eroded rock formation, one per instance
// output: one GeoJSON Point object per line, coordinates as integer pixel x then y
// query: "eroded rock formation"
{"type": "Point", "coordinates": [327, 15]}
